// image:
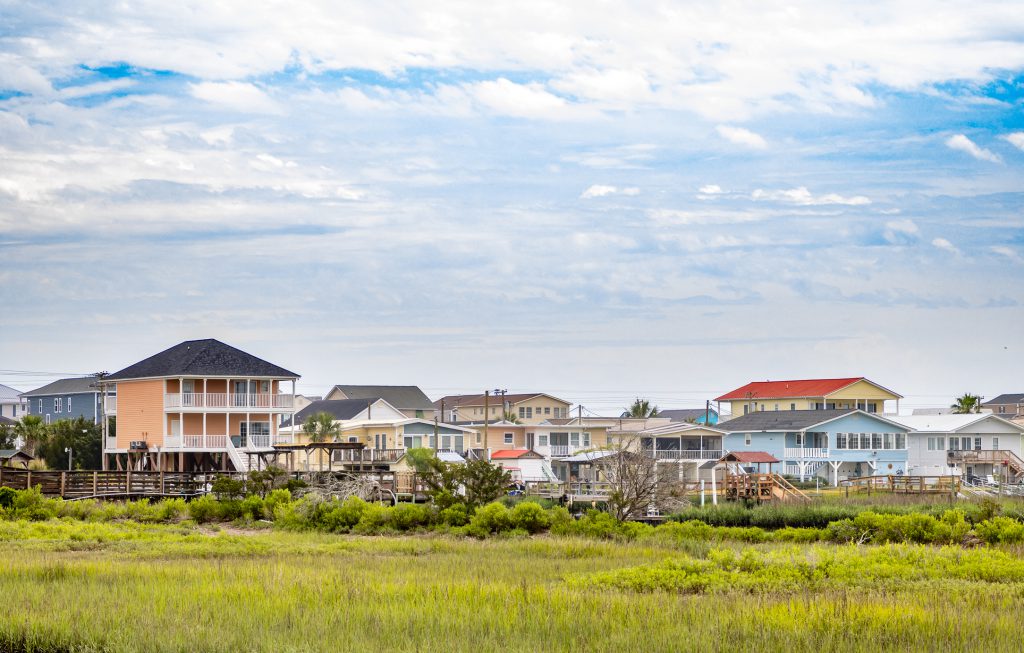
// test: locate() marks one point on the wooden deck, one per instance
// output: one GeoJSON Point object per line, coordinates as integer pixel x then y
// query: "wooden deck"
{"type": "Point", "coordinates": [761, 488]}
{"type": "Point", "coordinates": [899, 484]}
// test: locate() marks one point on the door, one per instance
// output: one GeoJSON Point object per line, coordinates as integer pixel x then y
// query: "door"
{"type": "Point", "coordinates": [529, 441]}
{"type": "Point", "coordinates": [176, 429]}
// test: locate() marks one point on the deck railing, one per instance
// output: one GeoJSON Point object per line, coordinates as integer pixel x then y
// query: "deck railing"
{"type": "Point", "coordinates": [805, 452]}
{"type": "Point", "coordinates": [684, 454]}
{"type": "Point", "coordinates": [225, 400]}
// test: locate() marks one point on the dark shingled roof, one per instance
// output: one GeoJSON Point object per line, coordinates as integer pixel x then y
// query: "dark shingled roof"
{"type": "Point", "coordinates": [402, 397]}
{"type": "Point", "coordinates": [342, 409]}
{"type": "Point", "coordinates": [7, 421]}
{"type": "Point", "coordinates": [202, 358]}
{"type": "Point", "coordinates": [780, 420]}
{"type": "Point", "coordinates": [1017, 398]}
{"type": "Point", "coordinates": [76, 385]}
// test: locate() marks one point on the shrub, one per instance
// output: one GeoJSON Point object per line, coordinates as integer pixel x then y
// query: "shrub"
{"type": "Point", "coordinates": [376, 519]}
{"type": "Point", "coordinates": [203, 509]}
{"type": "Point", "coordinates": [454, 515]}
{"type": "Point", "coordinates": [561, 521]}
{"type": "Point", "coordinates": [7, 497]}
{"type": "Point", "coordinates": [492, 518]}
{"type": "Point", "coordinates": [226, 488]}
{"type": "Point", "coordinates": [274, 499]}
{"type": "Point", "coordinates": [1000, 530]}
{"type": "Point", "coordinates": [530, 517]}
{"type": "Point", "coordinates": [409, 516]}
{"type": "Point", "coordinates": [253, 507]}
{"type": "Point", "coordinates": [171, 509]}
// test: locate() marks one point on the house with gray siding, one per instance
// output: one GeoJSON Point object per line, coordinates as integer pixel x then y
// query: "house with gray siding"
{"type": "Point", "coordinates": [12, 405]}
{"type": "Point", "coordinates": [66, 399]}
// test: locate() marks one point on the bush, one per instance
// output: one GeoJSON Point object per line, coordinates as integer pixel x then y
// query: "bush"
{"type": "Point", "coordinates": [530, 517]}
{"type": "Point", "coordinates": [203, 509]}
{"type": "Point", "coordinates": [274, 499]}
{"type": "Point", "coordinates": [1000, 530]}
{"type": "Point", "coordinates": [492, 518]}
{"type": "Point", "coordinates": [253, 507]}
{"type": "Point", "coordinates": [454, 515]}
{"type": "Point", "coordinates": [226, 488]}
{"type": "Point", "coordinates": [376, 519]}
{"type": "Point", "coordinates": [7, 497]}
{"type": "Point", "coordinates": [171, 509]}
{"type": "Point", "coordinates": [409, 516]}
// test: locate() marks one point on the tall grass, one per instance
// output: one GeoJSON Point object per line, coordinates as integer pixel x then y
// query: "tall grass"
{"type": "Point", "coordinates": [73, 586]}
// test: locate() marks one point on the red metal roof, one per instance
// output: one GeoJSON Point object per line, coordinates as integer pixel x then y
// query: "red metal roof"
{"type": "Point", "coordinates": [509, 453]}
{"type": "Point", "coordinates": [750, 457]}
{"type": "Point", "coordinates": [783, 389]}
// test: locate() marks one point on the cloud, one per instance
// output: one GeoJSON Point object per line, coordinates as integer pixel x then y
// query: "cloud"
{"type": "Point", "coordinates": [508, 98]}
{"type": "Point", "coordinates": [901, 232]}
{"type": "Point", "coordinates": [236, 96]}
{"type": "Point", "coordinates": [804, 197]}
{"type": "Point", "coordinates": [601, 190]}
{"type": "Point", "coordinates": [1008, 252]}
{"type": "Point", "coordinates": [945, 245]}
{"type": "Point", "coordinates": [741, 136]}
{"type": "Point", "coordinates": [1016, 139]}
{"type": "Point", "coordinates": [963, 144]}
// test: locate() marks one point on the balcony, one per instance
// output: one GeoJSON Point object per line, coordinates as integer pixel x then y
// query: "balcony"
{"type": "Point", "coordinates": [220, 442]}
{"type": "Point", "coordinates": [684, 454]}
{"type": "Point", "coordinates": [224, 401]}
{"type": "Point", "coordinates": [803, 453]}
{"type": "Point", "coordinates": [559, 450]}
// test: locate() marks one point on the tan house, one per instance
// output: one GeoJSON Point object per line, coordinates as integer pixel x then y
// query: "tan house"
{"type": "Point", "coordinates": [809, 394]}
{"type": "Point", "coordinates": [528, 408]}
{"type": "Point", "coordinates": [200, 405]}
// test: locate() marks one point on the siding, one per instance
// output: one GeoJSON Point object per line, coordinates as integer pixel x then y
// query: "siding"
{"type": "Point", "coordinates": [140, 410]}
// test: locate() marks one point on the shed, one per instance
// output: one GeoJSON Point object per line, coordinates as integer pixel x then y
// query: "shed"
{"type": "Point", "coordinates": [15, 458]}
{"type": "Point", "coordinates": [750, 458]}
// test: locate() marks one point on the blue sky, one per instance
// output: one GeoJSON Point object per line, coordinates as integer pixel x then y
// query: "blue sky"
{"type": "Point", "coordinates": [597, 202]}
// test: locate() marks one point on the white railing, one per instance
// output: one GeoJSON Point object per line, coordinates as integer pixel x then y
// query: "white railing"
{"type": "Point", "coordinates": [110, 405]}
{"type": "Point", "coordinates": [802, 452]}
{"type": "Point", "coordinates": [684, 454]}
{"type": "Point", "coordinates": [201, 441]}
{"type": "Point", "coordinates": [225, 400]}
{"type": "Point", "coordinates": [259, 441]}
{"type": "Point", "coordinates": [559, 449]}
{"type": "Point", "coordinates": [173, 442]}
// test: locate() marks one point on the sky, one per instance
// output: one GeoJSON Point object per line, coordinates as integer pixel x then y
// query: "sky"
{"type": "Point", "coordinates": [599, 200]}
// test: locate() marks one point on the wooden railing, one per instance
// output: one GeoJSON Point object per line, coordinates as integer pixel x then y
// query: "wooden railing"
{"type": "Point", "coordinates": [988, 457]}
{"type": "Point", "coordinates": [684, 454]}
{"type": "Point", "coordinates": [79, 484]}
{"type": "Point", "coordinates": [904, 484]}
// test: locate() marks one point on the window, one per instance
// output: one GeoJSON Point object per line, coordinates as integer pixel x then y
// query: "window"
{"type": "Point", "coordinates": [547, 410]}
{"type": "Point", "coordinates": [47, 418]}
{"type": "Point", "coordinates": [542, 440]}
{"type": "Point", "coordinates": [995, 443]}
{"type": "Point", "coordinates": [887, 440]}
{"type": "Point", "coordinates": [522, 412]}
{"type": "Point", "coordinates": [58, 403]}
{"type": "Point", "coordinates": [799, 439]}
{"type": "Point", "coordinates": [746, 409]}
{"type": "Point", "coordinates": [413, 441]}
{"type": "Point", "coordinates": [419, 414]}
{"type": "Point", "coordinates": [840, 440]}
{"type": "Point", "coordinates": [39, 408]}
{"type": "Point", "coordinates": [865, 440]}
{"type": "Point", "coordinates": [872, 407]}
{"type": "Point", "coordinates": [508, 438]}
{"type": "Point", "coordinates": [762, 408]}
{"type": "Point", "coordinates": [1002, 409]}
{"type": "Point", "coordinates": [529, 412]}
{"type": "Point", "coordinates": [586, 439]}
{"type": "Point", "coordinates": [954, 444]}
{"type": "Point", "coordinates": [746, 439]}
{"type": "Point", "coordinates": [792, 406]}
{"type": "Point", "coordinates": [574, 439]}
{"type": "Point", "coordinates": [977, 444]}
{"type": "Point", "coordinates": [965, 444]}
{"type": "Point", "coordinates": [901, 441]}
{"type": "Point", "coordinates": [776, 406]}
{"type": "Point", "coordinates": [876, 440]}
{"type": "Point", "coordinates": [478, 437]}
{"type": "Point", "coordinates": [69, 404]}
{"type": "Point", "coordinates": [931, 444]}
{"type": "Point", "coordinates": [353, 438]}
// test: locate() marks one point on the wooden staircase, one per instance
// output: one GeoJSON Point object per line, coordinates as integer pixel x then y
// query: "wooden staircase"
{"type": "Point", "coordinates": [761, 488]}
{"type": "Point", "coordinates": [991, 457]}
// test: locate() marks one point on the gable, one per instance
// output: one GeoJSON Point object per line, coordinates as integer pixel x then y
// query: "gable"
{"type": "Point", "coordinates": [863, 389]}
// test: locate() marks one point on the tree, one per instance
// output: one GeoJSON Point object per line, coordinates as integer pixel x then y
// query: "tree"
{"type": "Point", "coordinates": [637, 483]}
{"type": "Point", "coordinates": [320, 427]}
{"type": "Point", "coordinates": [479, 481]}
{"type": "Point", "coordinates": [81, 435]}
{"type": "Point", "coordinates": [483, 482]}
{"type": "Point", "coordinates": [7, 436]}
{"type": "Point", "coordinates": [32, 432]}
{"type": "Point", "coordinates": [967, 403]}
{"type": "Point", "coordinates": [641, 408]}
{"type": "Point", "coordinates": [511, 417]}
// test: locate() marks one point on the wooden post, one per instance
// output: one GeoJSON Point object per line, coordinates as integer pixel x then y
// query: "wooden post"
{"type": "Point", "coordinates": [128, 481]}
{"type": "Point", "coordinates": [162, 482]}
{"type": "Point", "coordinates": [28, 479]}
{"type": "Point", "coordinates": [95, 479]}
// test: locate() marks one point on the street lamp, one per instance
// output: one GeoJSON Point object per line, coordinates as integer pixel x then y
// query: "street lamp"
{"type": "Point", "coordinates": [68, 451]}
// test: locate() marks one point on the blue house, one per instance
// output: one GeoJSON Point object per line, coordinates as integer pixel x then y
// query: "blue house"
{"type": "Point", "coordinates": [831, 444]}
{"type": "Point", "coordinates": [693, 415]}
{"type": "Point", "coordinates": [66, 399]}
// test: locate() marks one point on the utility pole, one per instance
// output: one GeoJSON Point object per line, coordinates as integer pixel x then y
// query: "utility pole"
{"type": "Point", "coordinates": [707, 412]}
{"type": "Point", "coordinates": [504, 407]}
{"type": "Point", "coordinates": [437, 435]}
{"type": "Point", "coordinates": [487, 402]}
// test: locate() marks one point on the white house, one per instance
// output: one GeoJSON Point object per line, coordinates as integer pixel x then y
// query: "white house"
{"type": "Point", "coordinates": [974, 444]}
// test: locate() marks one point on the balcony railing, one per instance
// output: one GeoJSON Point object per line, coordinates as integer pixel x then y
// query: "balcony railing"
{"type": "Point", "coordinates": [803, 452]}
{"type": "Point", "coordinates": [684, 454]}
{"type": "Point", "coordinates": [559, 450]}
{"type": "Point", "coordinates": [225, 400]}
{"type": "Point", "coordinates": [220, 441]}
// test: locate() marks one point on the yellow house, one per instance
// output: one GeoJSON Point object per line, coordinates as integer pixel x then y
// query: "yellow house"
{"type": "Point", "coordinates": [528, 408]}
{"type": "Point", "coordinates": [809, 394]}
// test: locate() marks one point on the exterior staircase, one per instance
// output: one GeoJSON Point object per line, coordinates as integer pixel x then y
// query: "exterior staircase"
{"type": "Point", "coordinates": [238, 458]}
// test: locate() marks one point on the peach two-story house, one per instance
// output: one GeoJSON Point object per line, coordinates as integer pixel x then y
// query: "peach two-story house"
{"type": "Point", "coordinates": [200, 405]}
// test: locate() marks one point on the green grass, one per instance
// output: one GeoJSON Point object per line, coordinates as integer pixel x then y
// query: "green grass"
{"type": "Point", "coordinates": [124, 586]}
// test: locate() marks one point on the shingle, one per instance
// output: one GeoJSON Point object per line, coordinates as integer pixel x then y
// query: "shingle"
{"type": "Point", "coordinates": [402, 397]}
{"type": "Point", "coordinates": [780, 420]}
{"type": "Point", "coordinates": [342, 409]}
{"type": "Point", "coordinates": [1006, 399]}
{"type": "Point", "coordinates": [77, 385]}
{"type": "Point", "coordinates": [202, 358]}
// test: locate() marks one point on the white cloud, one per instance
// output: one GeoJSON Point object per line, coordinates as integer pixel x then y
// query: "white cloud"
{"type": "Point", "coordinates": [901, 232]}
{"type": "Point", "coordinates": [741, 136]}
{"type": "Point", "coordinates": [601, 190]}
{"type": "Point", "coordinates": [520, 100]}
{"type": "Point", "coordinates": [237, 96]}
{"type": "Point", "coordinates": [1008, 252]}
{"type": "Point", "coordinates": [710, 189]}
{"type": "Point", "coordinates": [804, 197]}
{"type": "Point", "coordinates": [945, 245]}
{"type": "Point", "coordinates": [1016, 139]}
{"type": "Point", "coordinates": [963, 144]}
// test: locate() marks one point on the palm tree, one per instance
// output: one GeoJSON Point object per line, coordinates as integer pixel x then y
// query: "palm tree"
{"type": "Point", "coordinates": [511, 417]}
{"type": "Point", "coordinates": [32, 431]}
{"type": "Point", "coordinates": [967, 403]}
{"type": "Point", "coordinates": [320, 427]}
{"type": "Point", "coordinates": [641, 408]}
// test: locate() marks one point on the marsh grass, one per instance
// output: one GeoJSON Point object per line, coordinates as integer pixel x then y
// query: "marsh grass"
{"type": "Point", "coordinates": [74, 586]}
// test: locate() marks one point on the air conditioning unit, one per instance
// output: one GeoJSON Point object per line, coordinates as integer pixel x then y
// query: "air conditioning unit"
{"type": "Point", "coordinates": [138, 444]}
